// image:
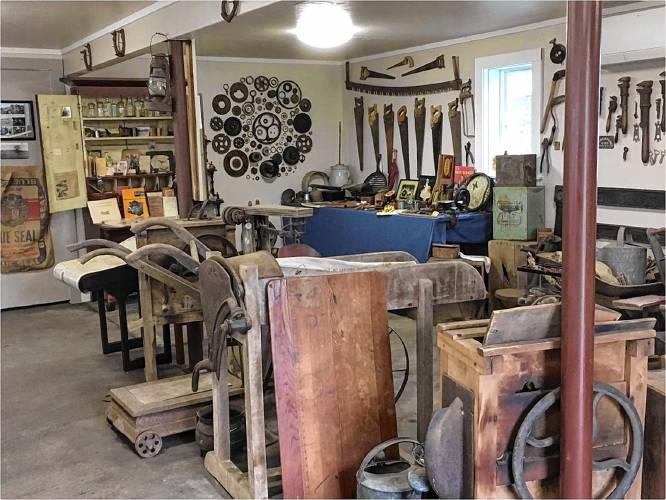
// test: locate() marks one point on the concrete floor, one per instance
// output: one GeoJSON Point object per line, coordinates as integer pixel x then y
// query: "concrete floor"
{"type": "Point", "coordinates": [56, 442]}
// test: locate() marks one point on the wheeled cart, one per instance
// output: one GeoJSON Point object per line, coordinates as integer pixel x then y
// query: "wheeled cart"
{"type": "Point", "coordinates": [146, 413]}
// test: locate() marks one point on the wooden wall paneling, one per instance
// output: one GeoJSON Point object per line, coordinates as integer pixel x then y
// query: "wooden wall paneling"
{"type": "Point", "coordinates": [333, 378]}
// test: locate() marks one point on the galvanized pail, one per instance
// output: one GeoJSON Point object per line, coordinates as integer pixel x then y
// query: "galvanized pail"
{"type": "Point", "coordinates": [626, 261]}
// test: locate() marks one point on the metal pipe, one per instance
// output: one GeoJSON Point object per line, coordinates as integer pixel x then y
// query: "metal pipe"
{"type": "Point", "coordinates": [579, 239]}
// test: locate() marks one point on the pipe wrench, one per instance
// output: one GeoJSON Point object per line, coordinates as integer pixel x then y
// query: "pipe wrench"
{"type": "Point", "coordinates": [657, 125]}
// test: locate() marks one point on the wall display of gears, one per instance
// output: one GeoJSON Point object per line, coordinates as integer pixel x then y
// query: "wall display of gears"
{"type": "Point", "coordinates": [263, 122]}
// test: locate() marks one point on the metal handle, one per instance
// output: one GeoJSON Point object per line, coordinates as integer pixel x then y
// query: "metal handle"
{"type": "Point", "coordinates": [382, 446]}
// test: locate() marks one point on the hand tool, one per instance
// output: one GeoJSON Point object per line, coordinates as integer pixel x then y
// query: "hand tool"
{"type": "Point", "coordinates": [558, 52]}
{"type": "Point", "coordinates": [612, 106]}
{"type": "Point", "coordinates": [437, 63]}
{"type": "Point", "coordinates": [456, 138]}
{"type": "Point", "coordinates": [636, 110]}
{"type": "Point", "coordinates": [419, 129]}
{"type": "Point", "coordinates": [653, 157]}
{"type": "Point", "coordinates": [625, 150]}
{"type": "Point", "coordinates": [389, 120]}
{"type": "Point", "coordinates": [557, 76]}
{"type": "Point", "coordinates": [469, 156]}
{"type": "Point", "coordinates": [409, 90]}
{"type": "Point", "coordinates": [436, 130]}
{"type": "Point", "coordinates": [618, 127]}
{"type": "Point", "coordinates": [644, 90]}
{"type": "Point", "coordinates": [394, 172]}
{"type": "Point", "coordinates": [467, 105]}
{"type": "Point", "coordinates": [377, 180]}
{"type": "Point", "coordinates": [637, 136]}
{"type": "Point", "coordinates": [623, 84]}
{"type": "Point", "coordinates": [547, 142]}
{"type": "Point", "coordinates": [358, 119]}
{"type": "Point", "coordinates": [403, 127]}
{"type": "Point", "coordinates": [661, 158]}
{"type": "Point", "coordinates": [407, 61]}
{"type": "Point", "coordinates": [662, 82]}
{"type": "Point", "coordinates": [373, 121]}
{"type": "Point", "coordinates": [601, 101]}
{"type": "Point", "coordinates": [657, 130]}
{"type": "Point", "coordinates": [368, 73]}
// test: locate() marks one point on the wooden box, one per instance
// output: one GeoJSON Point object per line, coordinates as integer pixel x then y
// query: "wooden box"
{"type": "Point", "coordinates": [515, 170]}
{"type": "Point", "coordinates": [518, 212]}
{"type": "Point", "coordinates": [499, 383]}
{"type": "Point", "coordinates": [505, 258]}
{"type": "Point", "coordinates": [442, 251]}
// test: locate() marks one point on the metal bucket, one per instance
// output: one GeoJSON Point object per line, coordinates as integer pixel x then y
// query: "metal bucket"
{"type": "Point", "coordinates": [384, 478]}
{"type": "Point", "coordinates": [627, 262]}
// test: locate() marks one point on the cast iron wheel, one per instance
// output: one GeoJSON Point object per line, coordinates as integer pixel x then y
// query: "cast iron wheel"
{"type": "Point", "coordinates": [524, 437]}
{"type": "Point", "coordinates": [148, 444]}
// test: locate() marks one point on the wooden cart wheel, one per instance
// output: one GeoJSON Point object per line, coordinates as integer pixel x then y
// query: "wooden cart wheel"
{"type": "Point", "coordinates": [148, 444]}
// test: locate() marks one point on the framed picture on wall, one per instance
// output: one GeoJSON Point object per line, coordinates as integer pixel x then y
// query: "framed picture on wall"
{"type": "Point", "coordinates": [17, 120]}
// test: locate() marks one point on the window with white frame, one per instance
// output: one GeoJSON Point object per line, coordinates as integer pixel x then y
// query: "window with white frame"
{"type": "Point", "coordinates": [508, 93]}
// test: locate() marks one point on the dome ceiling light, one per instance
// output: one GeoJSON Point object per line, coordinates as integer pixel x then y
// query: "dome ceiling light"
{"type": "Point", "coordinates": [324, 25]}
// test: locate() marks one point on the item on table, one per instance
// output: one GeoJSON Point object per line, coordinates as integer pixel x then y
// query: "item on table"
{"type": "Point", "coordinates": [134, 203]}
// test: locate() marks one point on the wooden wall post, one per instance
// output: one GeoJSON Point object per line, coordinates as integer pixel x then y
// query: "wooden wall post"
{"type": "Point", "coordinates": [424, 359]}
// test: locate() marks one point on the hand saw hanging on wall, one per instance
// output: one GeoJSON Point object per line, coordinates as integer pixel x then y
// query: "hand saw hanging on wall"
{"type": "Point", "coordinates": [419, 129]}
{"type": "Point", "coordinates": [373, 121]}
{"type": "Point", "coordinates": [359, 110]}
{"type": "Point", "coordinates": [403, 127]}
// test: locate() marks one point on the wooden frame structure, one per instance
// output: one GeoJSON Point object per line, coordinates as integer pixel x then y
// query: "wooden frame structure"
{"type": "Point", "coordinates": [505, 379]}
{"type": "Point", "coordinates": [408, 286]}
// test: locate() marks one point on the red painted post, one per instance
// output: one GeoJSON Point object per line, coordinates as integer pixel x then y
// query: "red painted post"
{"type": "Point", "coordinates": [579, 238]}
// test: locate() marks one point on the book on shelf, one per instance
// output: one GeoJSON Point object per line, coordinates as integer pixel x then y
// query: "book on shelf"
{"type": "Point", "coordinates": [134, 203]}
{"type": "Point", "coordinates": [155, 206]}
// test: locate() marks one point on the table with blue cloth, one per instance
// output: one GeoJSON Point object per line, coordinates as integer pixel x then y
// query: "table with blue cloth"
{"type": "Point", "coordinates": [340, 231]}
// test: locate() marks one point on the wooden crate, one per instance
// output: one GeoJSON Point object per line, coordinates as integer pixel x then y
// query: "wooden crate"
{"type": "Point", "coordinates": [654, 454]}
{"type": "Point", "coordinates": [505, 258]}
{"type": "Point", "coordinates": [502, 381]}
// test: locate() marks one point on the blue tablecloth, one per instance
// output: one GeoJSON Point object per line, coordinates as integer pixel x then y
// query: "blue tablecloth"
{"type": "Point", "coordinates": [340, 231]}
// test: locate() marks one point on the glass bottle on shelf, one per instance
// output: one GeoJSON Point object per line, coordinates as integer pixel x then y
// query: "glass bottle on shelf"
{"type": "Point", "coordinates": [100, 109]}
{"type": "Point", "coordinates": [107, 107]}
{"type": "Point", "coordinates": [121, 106]}
{"type": "Point", "coordinates": [92, 110]}
{"type": "Point", "coordinates": [138, 107]}
{"type": "Point", "coordinates": [129, 109]}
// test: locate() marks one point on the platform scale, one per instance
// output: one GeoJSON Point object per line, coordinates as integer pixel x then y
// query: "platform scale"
{"type": "Point", "coordinates": [147, 412]}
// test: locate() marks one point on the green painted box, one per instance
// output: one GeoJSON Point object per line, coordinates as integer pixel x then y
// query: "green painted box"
{"type": "Point", "coordinates": [518, 212]}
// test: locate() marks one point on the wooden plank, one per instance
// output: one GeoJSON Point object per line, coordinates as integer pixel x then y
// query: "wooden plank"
{"type": "Point", "coordinates": [654, 455]}
{"type": "Point", "coordinates": [228, 475]}
{"type": "Point", "coordinates": [254, 393]}
{"type": "Point", "coordinates": [278, 210]}
{"type": "Point", "coordinates": [636, 376]}
{"type": "Point", "coordinates": [523, 323]}
{"type": "Point", "coordinates": [657, 381]}
{"type": "Point", "coordinates": [505, 258]}
{"type": "Point", "coordinates": [639, 303]}
{"type": "Point", "coordinates": [148, 331]}
{"type": "Point", "coordinates": [424, 356]}
{"type": "Point", "coordinates": [333, 379]}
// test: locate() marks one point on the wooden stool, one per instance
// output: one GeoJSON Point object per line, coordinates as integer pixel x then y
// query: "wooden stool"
{"type": "Point", "coordinates": [508, 297]}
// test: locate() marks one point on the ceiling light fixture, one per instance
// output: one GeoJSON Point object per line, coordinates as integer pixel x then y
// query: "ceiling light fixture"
{"type": "Point", "coordinates": [324, 25]}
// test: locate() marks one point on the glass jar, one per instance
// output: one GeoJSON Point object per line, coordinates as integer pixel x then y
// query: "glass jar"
{"type": "Point", "coordinates": [100, 109]}
{"type": "Point", "coordinates": [129, 109]}
{"type": "Point", "coordinates": [121, 106]}
{"type": "Point", "coordinates": [139, 110]}
{"type": "Point", "coordinates": [107, 107]}
{"type": "Point", "coordinates": [92, 110]}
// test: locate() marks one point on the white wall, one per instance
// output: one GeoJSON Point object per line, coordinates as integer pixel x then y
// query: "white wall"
{"type": "Point", "coordinates": [22, 79]}
{"type": "Point", "coordinates": [321, 83]}
{"type": "Point", "coordinates": [628, 33]}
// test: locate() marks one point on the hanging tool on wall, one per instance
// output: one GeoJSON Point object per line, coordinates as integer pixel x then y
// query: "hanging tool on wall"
{"type": "Point", "coordinates": [601, 101]}
{"type": "Point", "coordinates": [662, 82]}
{"type": "Point", "coordinates": [456, 138]}
{"type": "Point", "coordinates": [407, 61]}
{"type": "Point", "coordinates": [469, 156]}
{"type": "Point", "coordinates": [623, 84]}
{"type": "Point", "coordinates": [437, 63]}
{"type": "Point", "coordinates": [436, 131]}
{"type": "Point", "coordinates": [373, 121]}
{"type": "Point", "coordinates": [618, 127]}
{"type": "Point", "coordinates": [554, 84]}
{"type": "Point", "coordinates": [547, 142]}
{"type": "Point", "coordinates": [368, 73]}
{"type": "Point", "coordinates": [389, 120]}
{"type": "Point", "coordinates": [657, 125]}
{"type": "Point", "coordinates": [359, 109]}
{"type": "Point", "coordinates": [644, 90]}
{"type": "Point", "coordinates": [419, 129]}
{"type": "Point", "coordinates": [467, 106]}
{"type": "Point", "coordinates": [625, 150]}
{"type": "Point", "coordinates": [612, 107]}
{"type": "Point", "coordinates": [393, 172]}
{"type": "Point", "coordinates": [403, 127]}
{"type": "Point", "coordinates": [558, 52]}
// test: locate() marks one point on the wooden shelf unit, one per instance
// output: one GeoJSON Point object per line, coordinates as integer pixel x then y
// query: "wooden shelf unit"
{"type": "Point", "coordinates": [143, 139]}
{"type": "Point", "coordinates": [126, 119]}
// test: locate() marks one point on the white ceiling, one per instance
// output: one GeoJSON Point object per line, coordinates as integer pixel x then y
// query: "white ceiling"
{"type": "Point", "coordinates": [385, 25]}
{"type": "Point", "coordinates": [55, 25]}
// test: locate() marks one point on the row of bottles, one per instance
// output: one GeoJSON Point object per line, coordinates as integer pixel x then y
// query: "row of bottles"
{"type": "Point", "coordinates": [125, 107]}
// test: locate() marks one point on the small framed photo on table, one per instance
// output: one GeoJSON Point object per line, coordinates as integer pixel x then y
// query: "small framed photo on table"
{"type": "Point", "coordinates": [407, 190]}
{"type": "Point", "coordinates": [425, 188]}
{"type": "Point", "coordinates": [17, 120]}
